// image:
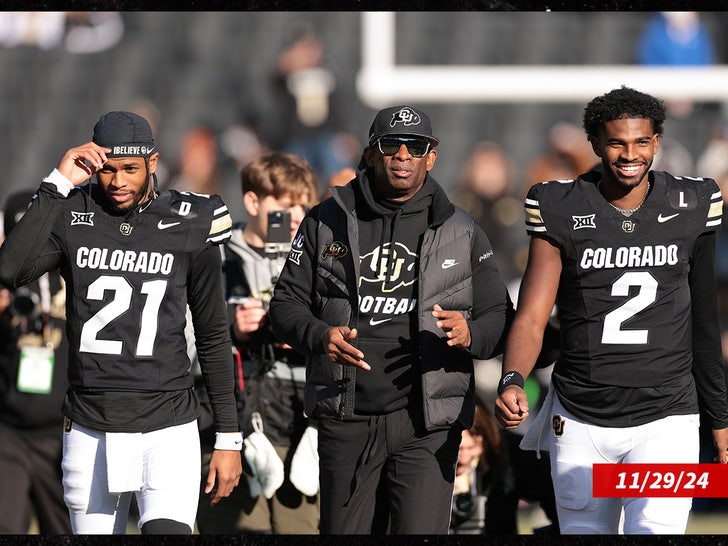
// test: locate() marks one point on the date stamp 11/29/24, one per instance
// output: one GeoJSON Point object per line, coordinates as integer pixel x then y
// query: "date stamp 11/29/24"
{"type": "Point", "coordinates": [660, 480]}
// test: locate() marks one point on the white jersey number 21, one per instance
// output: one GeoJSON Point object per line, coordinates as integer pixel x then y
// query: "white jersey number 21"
{"type": "Point", "coordinates": [120, 303]}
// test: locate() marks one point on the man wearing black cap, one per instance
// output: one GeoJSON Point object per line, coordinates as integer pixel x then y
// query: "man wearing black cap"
{"type": "Point", "coordinates": [391, 291]}
{"type": "Point", "coordinates": [133, 260]}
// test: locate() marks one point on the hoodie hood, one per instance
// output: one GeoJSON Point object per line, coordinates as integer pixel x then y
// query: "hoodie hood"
{"type": "Point", "coordinates": [360, 189]}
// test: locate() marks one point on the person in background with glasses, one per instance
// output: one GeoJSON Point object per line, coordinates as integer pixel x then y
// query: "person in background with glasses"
{"type": "Point", "coordinates": [391, 291]}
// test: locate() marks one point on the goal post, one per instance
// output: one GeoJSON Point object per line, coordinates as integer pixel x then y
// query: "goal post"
{"type": "Point", "coordinates": [381, 81]}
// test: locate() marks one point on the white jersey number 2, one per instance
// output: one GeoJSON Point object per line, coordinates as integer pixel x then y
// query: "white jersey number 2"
{"type": "Point", "coordinates": [613, 321]}
{"type": "Point", "coordinates": [120, 303]}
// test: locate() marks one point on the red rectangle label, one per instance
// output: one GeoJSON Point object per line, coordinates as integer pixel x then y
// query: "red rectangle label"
{"type": "Point", "coordinates": [660, 480]}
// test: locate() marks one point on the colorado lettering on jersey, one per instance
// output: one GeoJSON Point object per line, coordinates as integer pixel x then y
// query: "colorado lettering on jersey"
{"type": "Point", "coordinates": [124, 260]}
{"type": "Point", "coordinates": [629, 256]}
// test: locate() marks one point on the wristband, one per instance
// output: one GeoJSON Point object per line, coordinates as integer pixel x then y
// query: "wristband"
{"type": "Point", "coordinates": [511, 378]}
{"type": "Point", "coordinates": [231, 441]}
{"type": "Point", "coordinates": [63, 185]}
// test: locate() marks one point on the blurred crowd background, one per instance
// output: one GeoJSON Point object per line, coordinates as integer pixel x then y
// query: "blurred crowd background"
{"type": "Point", "coordinates": [223, 85]}
{"type": "Point", "coordinates": [220, 88]}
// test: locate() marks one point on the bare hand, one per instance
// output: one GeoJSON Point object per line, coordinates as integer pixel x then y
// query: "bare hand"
{"type": "Point", "coordinates": [226, 467]}
{"type": "Point", "coordinates": [73, 164]}
{"type": "Point", "coordinates": [249, 318]}
{"type": "Point", "coordinates": [720, 439]}
{"type": "Point", "coordinates": [337, 347]}
{"type": "Point", "coordinates": [454, 325]}
{"type": "Point", "coordinates": [511, 407]}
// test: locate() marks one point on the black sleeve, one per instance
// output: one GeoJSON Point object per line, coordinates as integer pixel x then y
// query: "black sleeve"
{"type": "Point", "coordinates": [30, 249]}
{"type": "Point", "coordinates": [291, 309]}
{"type": "Point", "coordinates": [212, 336]}
{"type": "Point", "coordinates": [708, 368]}
{"type": "Point", "coordinates": [492, 307]}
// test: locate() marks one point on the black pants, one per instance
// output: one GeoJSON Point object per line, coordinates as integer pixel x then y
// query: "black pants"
{"type": "Point", "coordinates": [386, 474]}
{"type": "Point", "coordinates": [30, 474]}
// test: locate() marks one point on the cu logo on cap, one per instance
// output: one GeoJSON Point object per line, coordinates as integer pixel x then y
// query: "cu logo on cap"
{"type": "Point", "coordinates": [405, 116]}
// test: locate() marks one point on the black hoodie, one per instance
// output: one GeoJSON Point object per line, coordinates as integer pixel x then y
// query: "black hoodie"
{"type": "Point", "coordinates": [390, 234]}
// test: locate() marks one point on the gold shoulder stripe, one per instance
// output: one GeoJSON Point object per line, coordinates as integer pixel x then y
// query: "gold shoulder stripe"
{"type": "Point", "coordinates": [716, 209]}
{"type": "Point", "coordinates": [533, 216]}
{"type": "Point", "coordinates": [221, 224]}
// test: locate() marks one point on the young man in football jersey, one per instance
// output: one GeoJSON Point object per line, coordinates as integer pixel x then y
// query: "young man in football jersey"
{"type": "Point", "coordinates": [627, 256]}
{"type": "Point", "coordinates": [132, 260]}
{"type": "Point", "coordinates": [390, 291]}
{"type": "Point", "coordinates": [271, 376]}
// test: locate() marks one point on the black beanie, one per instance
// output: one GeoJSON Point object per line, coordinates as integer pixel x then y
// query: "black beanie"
{"type": "Point", "coordinates": [127, 134]}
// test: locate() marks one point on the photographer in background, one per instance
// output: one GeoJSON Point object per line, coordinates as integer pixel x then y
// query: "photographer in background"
{"type": "Point", "coordinates": [33, 382]}
{"type": "Point", "coordinates": [281, 496]}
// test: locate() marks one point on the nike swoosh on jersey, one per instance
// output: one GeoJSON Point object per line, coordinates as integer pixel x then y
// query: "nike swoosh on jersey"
{"type": "Point", "coordinates": [661, 218]}
{"type": "Point", "coordinates": [449, 263]}
{"type": "Point", "coordinates": [373, 322]}
{"type": "Point", "coordinates": [162, 225]}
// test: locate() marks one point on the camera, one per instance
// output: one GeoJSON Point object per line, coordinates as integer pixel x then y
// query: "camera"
{"type": "Point", "coordinates": [24, 303]}
{"type": "Point", "coordinates": [463, 506]}
{"type": "Point", "coordinates": [278, 241]}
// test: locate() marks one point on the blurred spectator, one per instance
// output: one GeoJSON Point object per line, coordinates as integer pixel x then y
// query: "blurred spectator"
{"type": "Point", "coordinates": [569, 154]}
{"type": "Point", "coordinates": [92, 31]}
{"type": "Point", "coordinates": [340, 178]}
{"type": "Point", "coordinates": [713, 159]}
{"type": "Point", "coordinates": [676, 38]}
{"type": "Point", "coordinates": [33, 382]}
{"type": "Point", "coordinates": [242, 144]}
{"type": "Point", "coordinates": [306, 90]}
{"type": "Point", "coordinates": [199, 168]}
{"type": "Point", "coordinates": [673, 157]}
{"type": "Point", "coordinates": [482, 461]}
{"type": "Point", "coordinates": [487, 190]}
{"type": "Point", "coordinates": [42, 29]}
{"type": "Point", "coordinates": [75, 31]}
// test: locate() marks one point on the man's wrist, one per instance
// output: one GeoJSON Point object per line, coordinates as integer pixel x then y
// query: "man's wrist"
{"type": "Point", "coordinates": [63, 185]}
{"type": "Point", "coordinates": [511, 378]}
{"type": "Point", "coordinates": [230, 441]}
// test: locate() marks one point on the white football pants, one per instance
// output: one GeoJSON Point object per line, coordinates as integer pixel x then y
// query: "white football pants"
{"type": "Point", "coordinates": [673, 439]}
{"type": "Point", "coordinates": [161, 468]}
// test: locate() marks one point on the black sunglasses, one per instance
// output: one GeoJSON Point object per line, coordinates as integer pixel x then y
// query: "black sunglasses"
{"type": "Point", "coordinates": [417, 147]}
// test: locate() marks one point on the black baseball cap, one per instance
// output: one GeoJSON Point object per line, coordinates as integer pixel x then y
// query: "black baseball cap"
{"type": "Point", "coordinates": [402, 120]}
{"type": "Point", "coordinates": [126, 133]}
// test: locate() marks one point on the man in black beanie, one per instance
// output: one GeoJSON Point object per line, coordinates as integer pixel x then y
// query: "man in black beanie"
{"type": "Point", "coordinates": [133, 260]}
{"type": "Point", "coordinates": [391, 291]}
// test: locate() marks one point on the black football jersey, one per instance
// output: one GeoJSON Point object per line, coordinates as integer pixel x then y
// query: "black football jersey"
{"type": "Point", "coordinates": [128, 282]}
{"type": "Point", "coordinates": [624, 302]}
